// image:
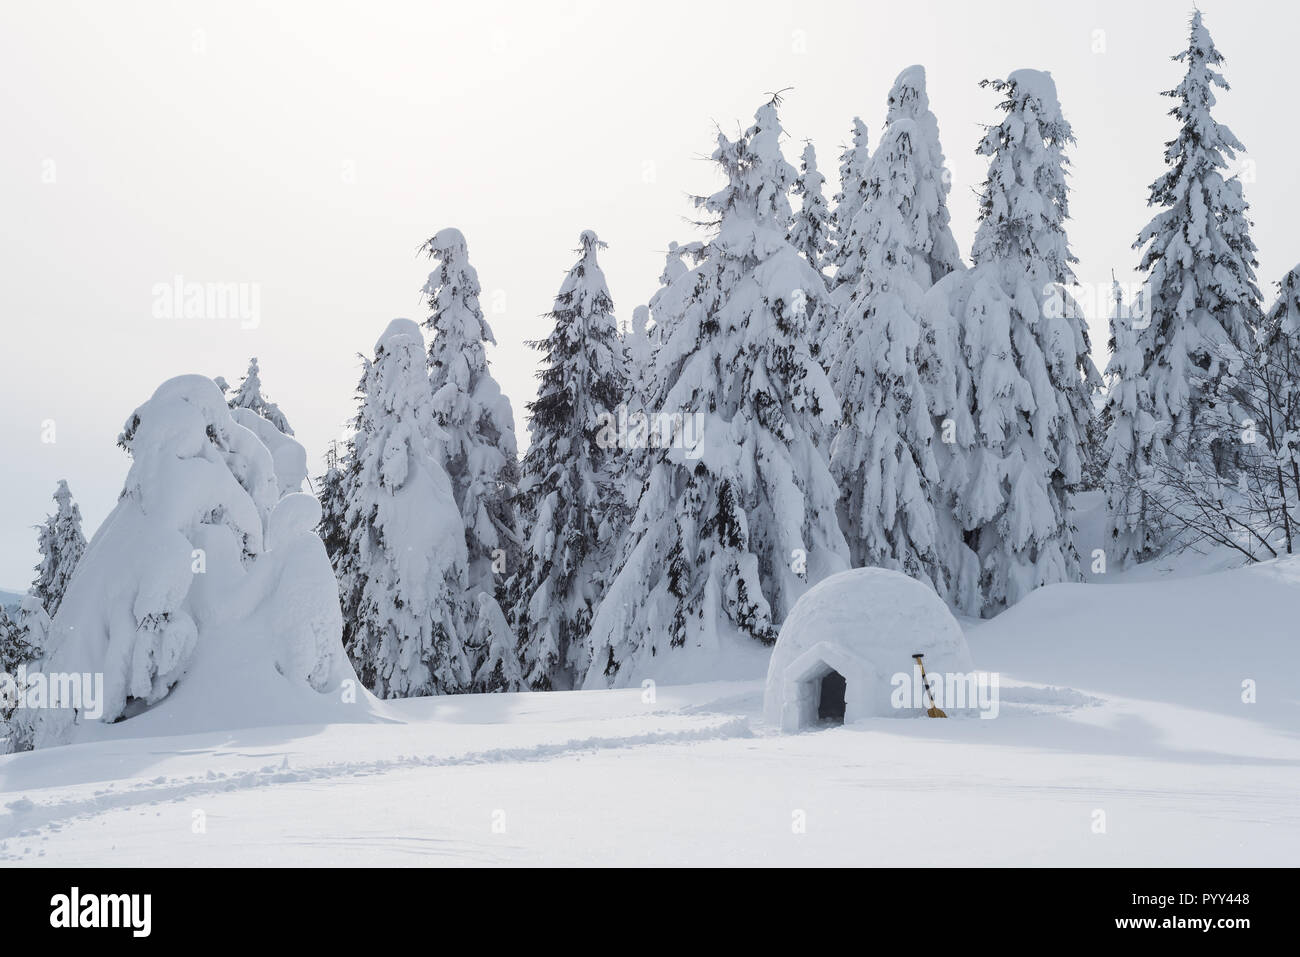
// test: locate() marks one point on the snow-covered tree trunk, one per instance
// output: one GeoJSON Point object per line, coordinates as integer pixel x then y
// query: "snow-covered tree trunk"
{"type": "Point", "coordinates": [571, 485]}
{"type": "Point", "coordinates": [738, 514]}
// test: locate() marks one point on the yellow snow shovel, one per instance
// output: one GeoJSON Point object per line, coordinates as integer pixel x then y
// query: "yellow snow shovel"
{"type": "Point", "coordinates": [931, 711]}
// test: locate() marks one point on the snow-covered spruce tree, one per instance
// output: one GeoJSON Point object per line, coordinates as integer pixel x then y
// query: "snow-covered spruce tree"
{"type": "Point", "coordinates": [738, 515]}
{"type": "Point", "coordinates": [402, 575]}
{"type": "Point", "coordinates": [249, 396]}
{"type": "Point", "coordinates": [674, 268]}
{"type": "Point", "coordinates": [495, 646]}
{"type": "Point", "coordinates": [1017, 405]}
{"type": "Point", "coordinates": [638, 456]}
{"type": "Point", "coordinates": [1200, 262]}
{"type": "Point", "coordinates": [338, 523]}
{"type": "Point", "coordinates": [845, 253]}
{"type": "Point", "coordinates": [333, 528]}
{"type": "Point", "coordinates": [1278, 375]}
{"type": "Point", "coordinates": [479, 452]}
{"type": "Point", "coordinates": [201, 550]}
{"type": "Point", "coordinates": [930, 234]}
{"type": "Point", "coordinates": [570, 485]}
{"type": "Point", "coordinates": [14, 649]}
{"type": "Point", "coordinates": [1132, 525]}
{"type": "Point", "coordinates": [34, 626]}
{"type": "Point", "coordinates": [638, 353]}
{"type": "Point", "coordinates": [14, 652]}
{"type": "Point", "coordinates": [255, 412]}
{"type": "Point", "coordinates": [61, 545]}
{"type": "Point", "coordinates": [882, 456]}
{"type": "Point", "coordinates": [636, 410]}
{"type": "Point", "coordinates": [855, 161]}
{"type": "Point", "coordinates": [810, 231]}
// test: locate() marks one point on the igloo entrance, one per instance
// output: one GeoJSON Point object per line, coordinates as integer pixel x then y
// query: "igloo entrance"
{"type": "Point", "coordinates": [830, 698]}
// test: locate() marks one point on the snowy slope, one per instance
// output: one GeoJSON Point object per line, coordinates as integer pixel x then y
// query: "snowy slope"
{"type": "Point", "coordinates": [1121, 698]}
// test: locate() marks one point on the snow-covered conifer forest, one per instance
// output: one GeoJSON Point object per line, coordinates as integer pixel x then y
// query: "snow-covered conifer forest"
{"type": "Point", "coordinates": [639, 563]}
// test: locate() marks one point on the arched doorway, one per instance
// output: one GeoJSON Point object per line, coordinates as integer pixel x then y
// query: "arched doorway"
{"type": "Point", "coordinates": [830, 700]}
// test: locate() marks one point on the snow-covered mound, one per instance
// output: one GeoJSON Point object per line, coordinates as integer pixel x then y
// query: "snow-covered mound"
{"type": "Point", "coordinates": [205, 595]}
{"type": "Point", "coordinates": [862, 626]}
{"type": "Point", "coordinates": [288, 457]}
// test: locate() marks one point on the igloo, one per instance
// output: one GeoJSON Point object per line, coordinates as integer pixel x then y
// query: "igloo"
{"type": "Point", "coordinates": [844, 641]}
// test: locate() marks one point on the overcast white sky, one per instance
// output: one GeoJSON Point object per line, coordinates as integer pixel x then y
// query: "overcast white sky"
{"type": "Point", "coordinates": [309, 148]}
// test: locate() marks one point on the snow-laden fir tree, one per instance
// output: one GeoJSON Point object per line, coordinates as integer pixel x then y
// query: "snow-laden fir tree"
{"type": "Point", "coordinates": [642, 379]}
{"type": "Point", "coordinates": [14, 653]}
{"type": "Point", "coordinates": [570, 487]}
{"type": "Point", "coordinates": [61, 545]}
{"type": "Point", "coordinates": [928, 217]}
{"type": "Point", "coordinates": [333, 529]}
{"type": "Point", "coordinates": [34, 626]}
{"type": "Point", "coordinates": [203, 573]}
{"type": "Point", "coordinates": [1132, 435]}
{"type": "Point", "coordinates": [810, 231]}
{"type": "Point", "coordinates": [403, 574]}
{"type": "Point", "coordinates": [636, 409]}
{"type": "Point", "coordinates": [845, 253]}
{"type": "Point", "coordinates": [674, 268]}
{"type": "Point", "coordinates": [738, 515]}
{"type": "Point", "coordinates": [479, 452]}
{"type": "Point", "coordinates": [14, 649]}
{"type": "Point", "coordinates": [1200, 265]}
{"type": "Point", "coordinates": [249, 396]}
{"type": "Point", "coordinates": [883, 454]}
{"type": "Point", "coordinates": [638, 353]}
{"type": "Point", "coordinates": [251, 409]}
{"type": "Point", "coordinates": [1017, 404]}
{"type": "Point", "coordinates": [855, 161]}
{"type": "Point", "coordinates": [1280, 349]}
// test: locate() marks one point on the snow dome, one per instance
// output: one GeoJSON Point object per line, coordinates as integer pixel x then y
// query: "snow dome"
{"type": "Point", "coordinates": [847, 637]}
